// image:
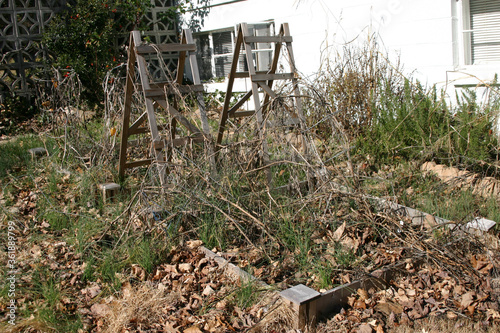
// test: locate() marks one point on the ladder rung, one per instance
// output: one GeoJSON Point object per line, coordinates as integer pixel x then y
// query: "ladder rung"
{"type": "Point", "coordinates": [135, 164]}
{"type": "Point", "coordinates": [160, 92]}
{"type": "Point", "coordinates": [174, 47]}
{"type": "Point", "coordinates": [240, 114]}
{"type": "Point", "coordinates": [272, 77]}
{"type": "Point", "coordinates": [140, 130]}
{"type": "Point", "coordinates": [178, 141]}
{"type": "Point", "coordinates": [268, 39]}
{"type": "Point", "coordinates": [242, 75]}
{"type": "Point", "coordinates": [183, 141]}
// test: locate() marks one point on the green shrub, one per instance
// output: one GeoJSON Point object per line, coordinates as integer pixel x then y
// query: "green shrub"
{"type": "Point", "coordinates": [83, 39]}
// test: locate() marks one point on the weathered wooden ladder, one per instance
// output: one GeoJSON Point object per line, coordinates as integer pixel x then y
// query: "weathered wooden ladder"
{"type": "Point", "coordinates": [157, 94]}
{"type": "Point", "coordinates": [262, 82]}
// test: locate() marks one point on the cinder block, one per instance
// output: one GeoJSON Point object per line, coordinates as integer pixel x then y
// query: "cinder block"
{"type": "Point", "coordinates": [37, 153]}
{"type": "Point", "coordinates": [302, 301]}
{"type": "Point", "coordinates": [109, 191]}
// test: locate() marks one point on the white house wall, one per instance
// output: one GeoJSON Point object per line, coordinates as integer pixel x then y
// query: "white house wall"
{"type": "Point", "coordinates": [423, 33]}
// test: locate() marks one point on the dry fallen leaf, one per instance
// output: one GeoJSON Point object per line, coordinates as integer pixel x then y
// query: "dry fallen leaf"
{"type": "Point", "coordinates": [208, 291]}
{"type": "Point", "coordinates": [185, 268]}
{"type": "Point", "coordinates": [138, 272]}
{"type": "Point", "coordinates": [194, 244]}
{"type": "Point", "coordinates": [388, 308]}
{"type": "Point", "coordinates": [99, 310]}
{"type": "Point", "coordinates": [365, 328]}
{"type": "Point", "coordinates": [363, 294]}
{"type": "Point", "coordinates": [337, 235]}
{"type": "Point", "coordinates": [193, 329]}
{"type": "Point", "coordinates": [467, 300]}
{"type": "Point", "coordinates": [91, 292]}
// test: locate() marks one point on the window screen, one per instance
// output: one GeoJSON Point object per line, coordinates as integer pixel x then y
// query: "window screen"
{"type": "Point", "coordinates": [485, 26]}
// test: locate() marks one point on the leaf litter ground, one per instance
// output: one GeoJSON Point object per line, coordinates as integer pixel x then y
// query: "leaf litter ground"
{"type": "Point", "coordinates": [189, 293]}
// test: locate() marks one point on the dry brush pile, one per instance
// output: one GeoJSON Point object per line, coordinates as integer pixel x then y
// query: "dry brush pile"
{"type": "Point", "coordinates": [87, 265]}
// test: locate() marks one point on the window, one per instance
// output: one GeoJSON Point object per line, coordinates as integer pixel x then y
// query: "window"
{"type": "Point", "coordinates": [481, 31]}
{"type": "Point", "coordinates": [215, 51]}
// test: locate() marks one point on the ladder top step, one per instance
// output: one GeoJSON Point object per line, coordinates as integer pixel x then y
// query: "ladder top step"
{"type": "Point", "coordinates": [173, 47]}
{"type": "Point", "coordinates": [268, 39]}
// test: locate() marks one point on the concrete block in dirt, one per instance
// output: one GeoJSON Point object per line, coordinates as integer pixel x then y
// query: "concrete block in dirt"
{"type": "Point", "coordinates": [37, 153]}
{"type": "Point", "coordinates": [108, 191]}
{"type": "Point", "coordinates": [302, 300]}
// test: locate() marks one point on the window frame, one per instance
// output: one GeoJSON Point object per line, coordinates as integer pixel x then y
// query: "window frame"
{"type": "Point", "coordinates": [464, 36]}
{"type": "Point", "coordinates": [241, 66]}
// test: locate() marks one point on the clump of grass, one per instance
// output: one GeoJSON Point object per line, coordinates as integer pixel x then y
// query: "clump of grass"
{"type": "Point", "coordinates": [147, 252]}
{"type": "Point", "coordinates": [47, 288]}
{"type": "Point", "coordinates": [246, 294]}
{"type": "Point", "coordinates": [14, 155]}
{"type": "Point", "coordinates": [57, 220]}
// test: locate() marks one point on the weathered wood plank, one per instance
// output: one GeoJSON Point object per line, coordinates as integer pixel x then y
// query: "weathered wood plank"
{"type": "Point", "coordinates": [142, 118]}
{"type": "Point", "coordinates": [267, 89]}
{"type": "Point", "coordinates": [241, 114]}
{"type": "Point", "coordinates": [229, 89]}
{"type": "Point", "coordinates": [174, 47]}
{"type": "Point", "coordinates": [129, 90]}
{"type": "Point", "coordinates": [173, 90]}
{"type": "Point", "coordinates": [258, 107]}
{"type": "Point", "coordinates": [244, 75]}
{"type": "Point", "coordinates": [268, 39]}
{"type": "Point", "coordinates": [266, 77]}
{"type": "Point", "coordinates": [135, 164]}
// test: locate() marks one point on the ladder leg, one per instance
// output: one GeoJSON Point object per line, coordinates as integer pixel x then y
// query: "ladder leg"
{"type": "Point", "coordinates": [258, 106]}
{"type": "Point", "coordinates": [156, 142]}
{"type": "Point", "coordinates": [129, 90]}
{"type": "Point", "coordinates": [206, 133]}
{"type": "Point", "coordinates": [298, 105]}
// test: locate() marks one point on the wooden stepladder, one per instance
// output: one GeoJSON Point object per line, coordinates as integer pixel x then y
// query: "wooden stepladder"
{"type": "Point", "coordinates": [262, 84]}
{"type": "Point", "coordinates": [165, 95]}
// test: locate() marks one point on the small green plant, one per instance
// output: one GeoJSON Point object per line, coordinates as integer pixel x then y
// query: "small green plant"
{"type": "Point", "coordinates": [246, 294]}
{"type": "Point", "coordinates": [108, 267]}
{"type": "Point", "coordinates": [56, 220]}
{"type": "Point", "coordinates": [212, 230]}
{"type": "Point", "coordinates": [296, 236]}
{"type": "Point", "coordinates": [146, 253]}
{"type": "Point", "coordinates": [47, 288]}
{"type": "Point", "coordinates": [325, 273]}
{"type": "Point", "coordinates": [344, 257]}
{"type": "Point", "coordinates": [89, 270]}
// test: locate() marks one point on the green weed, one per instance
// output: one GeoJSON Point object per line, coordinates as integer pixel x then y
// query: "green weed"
{"type": "Point", "coordinates": [344, 257]}
{"type": "Point", "coordinates": [296, 236]}
{"type": "Point", "coordinates": [325, 273]}
{"type": "Point", "coordinates": [108, 267]}
{"type": "Point", "coordinates": [89, 270]}
{"type": "Point", "coordinates": [58, 221]}
{"type": "Point", "coordinates": [246, 294]}
{"type": "Point", "coordinates": [147, 253]}
{"type": "Point", "coordinates": [212, 230]}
